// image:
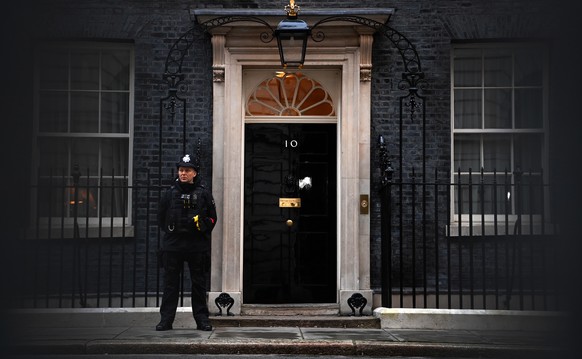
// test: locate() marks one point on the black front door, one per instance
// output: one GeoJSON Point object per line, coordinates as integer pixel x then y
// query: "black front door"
{"type": "Point", "coordinates": [290, 213]}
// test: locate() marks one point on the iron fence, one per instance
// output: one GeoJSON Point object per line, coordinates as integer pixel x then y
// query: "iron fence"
{"type": "Point", "coordinates": [482, 241]}
{"type": "Point", "coordinates": [474, 242]}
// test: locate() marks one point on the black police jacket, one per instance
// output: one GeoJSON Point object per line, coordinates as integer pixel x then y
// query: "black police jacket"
{"type": "Point", "coordinates": [187, 215]}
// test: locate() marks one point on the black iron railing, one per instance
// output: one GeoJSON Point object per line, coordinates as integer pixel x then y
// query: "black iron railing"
{"type": "Point", "coordinates": [438, 249]}
{"type": "Point", "coordinates": [492, 250]}
{"type": "Point", "coordinates": [90, 242]}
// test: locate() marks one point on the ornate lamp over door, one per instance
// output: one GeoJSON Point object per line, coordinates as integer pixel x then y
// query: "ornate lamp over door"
{"type": "Point", "coordinates": [292, 34]}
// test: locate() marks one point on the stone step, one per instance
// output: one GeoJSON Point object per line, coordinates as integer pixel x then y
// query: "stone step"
{"type": "Point", "coordinates": [293, 315]}
{"type": "Point", "coordinates": [296, 321]}
{"type": "Point", "coordinates": [290, 309]}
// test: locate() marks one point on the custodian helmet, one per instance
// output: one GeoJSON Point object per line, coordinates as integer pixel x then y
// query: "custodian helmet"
{"type": "Point", "coordinates": [188, 161]}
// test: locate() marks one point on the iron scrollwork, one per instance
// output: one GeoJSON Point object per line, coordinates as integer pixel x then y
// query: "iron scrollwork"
{"type": "Point", "coordinates": [357, 300]}
{"type": "Point", "coordinates": [173, 75]}
{"type": "Point", "coordinates": [265, 36]}
{"type": "Point", "coordinates": [224, 300]}
{"type": "Point", "coordinates": [413, 77]}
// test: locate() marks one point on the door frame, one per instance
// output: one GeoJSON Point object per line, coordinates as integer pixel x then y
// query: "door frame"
{"type": "Point", "coordinates": [234, 50]}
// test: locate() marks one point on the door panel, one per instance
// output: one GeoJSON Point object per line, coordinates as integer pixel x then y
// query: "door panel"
{"type": "Point", "coordinates": [290, 252]}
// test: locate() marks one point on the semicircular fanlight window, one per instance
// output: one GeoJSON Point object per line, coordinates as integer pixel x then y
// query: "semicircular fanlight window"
{"type": "Point", "coordinates": [291, 95]}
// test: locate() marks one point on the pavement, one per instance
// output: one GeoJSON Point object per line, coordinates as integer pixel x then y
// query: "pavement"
{"type": "Point", "coordinates": [342, 336]}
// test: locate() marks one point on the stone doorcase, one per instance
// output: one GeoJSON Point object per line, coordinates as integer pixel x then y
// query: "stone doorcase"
{"type": "Point", "coordinates": [346, 47]}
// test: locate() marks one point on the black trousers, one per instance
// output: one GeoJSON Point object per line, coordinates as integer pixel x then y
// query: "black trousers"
{"type": "Point", "coordinates": [198, 265]}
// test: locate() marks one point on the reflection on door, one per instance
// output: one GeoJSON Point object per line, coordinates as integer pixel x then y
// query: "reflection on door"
{"type": "Point", "coordinates": [290, 213]}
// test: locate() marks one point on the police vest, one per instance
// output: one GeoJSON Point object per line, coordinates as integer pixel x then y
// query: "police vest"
{"type": "Point", "coordinates": [183, 207]}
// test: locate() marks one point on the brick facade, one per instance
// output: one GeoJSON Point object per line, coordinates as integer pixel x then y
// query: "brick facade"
{"type": "Point", "coordinates": [153, 26]}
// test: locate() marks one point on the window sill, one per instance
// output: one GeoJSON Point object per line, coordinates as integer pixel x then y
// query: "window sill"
{"type": "Point", "coordinates": [91, 232]}
{"type": "Point", "coordinates": [500, 229]}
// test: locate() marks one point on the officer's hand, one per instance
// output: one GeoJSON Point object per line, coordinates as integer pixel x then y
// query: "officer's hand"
{"type": "Point", "coordinates": [209, 223]}
{"type": "Point", "coordinates": [200, 223]}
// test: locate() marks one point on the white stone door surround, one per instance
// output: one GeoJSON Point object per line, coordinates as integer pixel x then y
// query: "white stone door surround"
{"type": "Point", "coordinates": [236, 46]}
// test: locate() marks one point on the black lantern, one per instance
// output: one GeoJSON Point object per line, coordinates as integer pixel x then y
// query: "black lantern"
{"type": "Point", "coordinates": [291, 35]}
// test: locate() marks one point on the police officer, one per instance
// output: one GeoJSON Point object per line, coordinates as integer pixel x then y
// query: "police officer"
{"type": "Point", "coordinates": [187, 215]}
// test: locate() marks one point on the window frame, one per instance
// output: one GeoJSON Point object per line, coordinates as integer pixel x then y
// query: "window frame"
{"type": "Point", "coordinates": [328, 79]}
{"type": "Point", "coordinates": [90, 225]}
{"type": "Point", "coordinates": [499, 219]}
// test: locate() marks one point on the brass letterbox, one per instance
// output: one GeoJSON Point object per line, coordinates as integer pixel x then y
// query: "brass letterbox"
{"type": "Point", "coordinates": [290, 202]}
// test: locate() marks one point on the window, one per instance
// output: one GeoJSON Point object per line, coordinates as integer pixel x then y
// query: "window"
{"type": "Point", "coordinates": [306, 96]}
{"type": "Point", "coordinates": [499, 129]}
{"type": "Point", "coordinates": [84, 125]}
{"type": "Point", "coordinates": [290, 95]}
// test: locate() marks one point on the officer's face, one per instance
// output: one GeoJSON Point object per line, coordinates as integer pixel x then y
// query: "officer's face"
{"type": "Point", "coordinates": [186, 174]}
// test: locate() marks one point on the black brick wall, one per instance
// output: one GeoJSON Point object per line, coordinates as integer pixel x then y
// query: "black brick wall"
{"type": "Point", "coordinates": [153, 26]}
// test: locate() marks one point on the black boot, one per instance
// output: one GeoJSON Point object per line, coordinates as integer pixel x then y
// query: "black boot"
{"type": "Point", "coordinates": [162, 326]}
{"type": "Point", "coordinates": [204, 325]}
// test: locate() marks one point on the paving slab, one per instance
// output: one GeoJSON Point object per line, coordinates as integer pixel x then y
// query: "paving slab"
{"type": "Point", "coordinates": [145, 340]}
{"type": "Point", "coordinates": [347, 334]}
{"type": "Point", "coordinates": [150, 334]}
{"type": "Point", "coordinates": [286, 333]}
{"type": "Point", "coordinates": [512, 337]}
{"type": "Point", "coordinates": [436, 336]}
{"type": "Point", "coordinates": [48, 334]}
